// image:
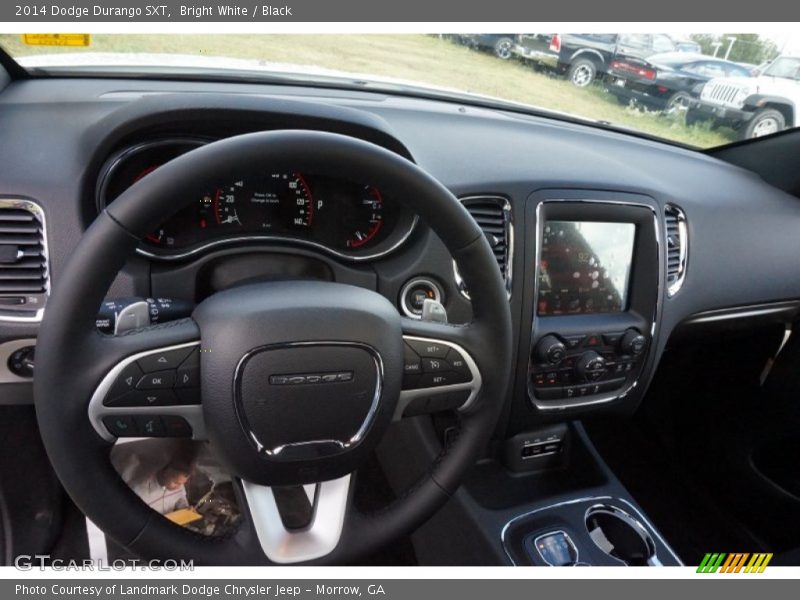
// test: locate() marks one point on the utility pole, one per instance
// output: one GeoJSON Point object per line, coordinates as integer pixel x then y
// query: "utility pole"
{"type": "Point", "coordinates": [730, 47]}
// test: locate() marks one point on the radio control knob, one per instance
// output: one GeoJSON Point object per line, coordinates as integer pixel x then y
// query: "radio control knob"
{"type": "Point", "coordinates": [632, 343]}
{"type": "Point", "coordinates": [550, 350]}
{"type": "Point", "coordinates": [590, 366]}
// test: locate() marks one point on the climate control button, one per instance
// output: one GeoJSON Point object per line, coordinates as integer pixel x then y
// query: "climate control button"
{"type": "Point", "coordinates": [590, 366]}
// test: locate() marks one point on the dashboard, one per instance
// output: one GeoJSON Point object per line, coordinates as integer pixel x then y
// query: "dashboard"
{"type": "Point", "coordinates": [597, 233]}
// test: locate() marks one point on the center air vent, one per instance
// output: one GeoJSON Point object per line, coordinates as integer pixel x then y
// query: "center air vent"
{"type": "Point", "coordinates": [493, 215]}
{"type": "Point", "coordinates": [677, 247]}
{"type": "Point", "coordinates": [24, 278]}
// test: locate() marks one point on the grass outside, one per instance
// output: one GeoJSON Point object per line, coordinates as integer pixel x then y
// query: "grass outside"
{"type": "Point", "coordinates": [419, 58]}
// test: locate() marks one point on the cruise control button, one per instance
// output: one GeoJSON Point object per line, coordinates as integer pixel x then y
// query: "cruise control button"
{"type": "Point", "coordinates": [434, 365]}
{"type": "Point", "coordinates": [428, 349]}
{"type": "Point", "coordinates": [437, 379]}
{"type": "Point", "coordinates": [150, 425]}
{"type": "Point", "coordinates": [457, 362]}
{"type": "Point", "coordinates": [125, 382]}
{"type": "Point", "coordinates": [176, 426]}
{"type": "Point", "coordinates": [121, 425]}
{"type": "Point", "coordinates": [412, 364]}
{"type": "Point", "coordinates": [156, 381]}
{"type": "Point", "coordinates": [160, 361]}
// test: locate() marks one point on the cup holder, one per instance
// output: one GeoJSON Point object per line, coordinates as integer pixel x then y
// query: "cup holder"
{"type": "Point", "coordinates": [620, 535]}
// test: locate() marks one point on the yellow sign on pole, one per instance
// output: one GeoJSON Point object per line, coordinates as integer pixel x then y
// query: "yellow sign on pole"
{"type": "Point", "coordinates": [56, 39]}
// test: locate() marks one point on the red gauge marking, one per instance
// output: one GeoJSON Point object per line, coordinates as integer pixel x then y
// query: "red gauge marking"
{"type": "Point", "coordinates": [216, 206]}
{"type": "Point", "coordinates": [310, 205]}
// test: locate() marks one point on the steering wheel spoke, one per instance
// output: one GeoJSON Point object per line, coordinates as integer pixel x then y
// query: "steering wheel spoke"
{"type": "Point", "coordinates": [151, 387]}
{"type": "Point", "coordinates": [298, 524]}
{"type": "Point", "coordinates": [439, 374]}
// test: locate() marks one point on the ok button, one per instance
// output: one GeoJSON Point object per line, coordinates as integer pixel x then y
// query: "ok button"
{"type": "Point", "coordinates": [156, 381]}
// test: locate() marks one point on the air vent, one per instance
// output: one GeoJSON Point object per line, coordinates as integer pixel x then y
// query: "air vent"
{"type": "Point", "coordinates": [24, 278]}
{"type": "Point", "coordinates": [677, 247]}
{"type": "Point", "coordinates": [493, 215]}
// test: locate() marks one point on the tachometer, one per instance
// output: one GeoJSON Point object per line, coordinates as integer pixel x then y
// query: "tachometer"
{"type": "Point", "coordinates": [365, 218]}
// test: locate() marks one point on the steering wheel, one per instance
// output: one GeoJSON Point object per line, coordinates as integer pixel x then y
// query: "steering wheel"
{"type": "Point", "coordinates": [297, 381]}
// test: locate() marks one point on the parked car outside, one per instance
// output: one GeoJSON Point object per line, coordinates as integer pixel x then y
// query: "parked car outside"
{"type": "Point", "coordinates": [666, 82]}
{"type": "Point", "coordinates": [583, 57]}
{"type": "Point", "coordinates": [499, 44]}
{"type": "Point", "coordinates": [755, 106]}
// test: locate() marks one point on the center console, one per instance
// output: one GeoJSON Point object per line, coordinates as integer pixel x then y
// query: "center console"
{"type": "Point", "coordinates": [596, 287]}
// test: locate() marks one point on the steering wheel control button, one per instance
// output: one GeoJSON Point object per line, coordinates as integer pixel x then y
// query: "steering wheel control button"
{"type": "Point", "coordinates": [429, 349]}
{"type": "Point", "coordinates": [150, 425]}
{"type": "Point", "coordinates": [157, 380]}
{"type": "Point", "coordinates": [414, 294]}
{"type": "Point", "coordinates": [126, 381]}
{"type": "Point", "coordinates": [176, 426]}
{"type": "Point", "coordinates": [187, 377]}
{"type": "Point", "coordinates": [434, 365]}
{"type": "Point", "coordinates": [121, 426]}
{"type": "Point", "coordinates": [145, 398]}
{"type": "Point", "coordinates": [160, 361]}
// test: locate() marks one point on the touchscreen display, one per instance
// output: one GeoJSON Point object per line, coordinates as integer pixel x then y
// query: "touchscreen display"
{"type": "Point", "coordinates": [584, 267]}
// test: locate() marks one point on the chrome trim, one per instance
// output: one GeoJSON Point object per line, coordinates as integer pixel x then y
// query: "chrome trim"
{"type": "Point", "coordinates": [342, 444]}
{"type": "Point", "coordinates": [653, 531]}
{"type": "Point", "coordinates": [683, 240]}
{"type": "Point", "coordinates": [318, 539]}
{"type": "Point", "coordinates": [232, 240]}
{"type": "Point", "coordinates": [437, 292]}
{"type": "Point", "coordinates": [558, 405]}
{"type": "Point", "coordinates": [193, 413]}
{"type": "Point", "coordinates": [474, 386]}
{"type": "Point", "coordinates": [38, 213]}
{"type": "Point", "coordinates": [743, 312]}
{"type": "Point", "coordinates": [636, 525]}
{"type": "Point", "coordinates": [569, 541]}
{"type": "Point", "coordinates": [6, 350]}
{"type": "Point", "coordinates": [508, 217]}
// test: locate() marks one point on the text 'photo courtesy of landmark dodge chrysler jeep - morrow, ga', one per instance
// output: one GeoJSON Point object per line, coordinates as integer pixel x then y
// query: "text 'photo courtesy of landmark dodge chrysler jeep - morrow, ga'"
{"type": "Point", "coordinates": [755, 106]}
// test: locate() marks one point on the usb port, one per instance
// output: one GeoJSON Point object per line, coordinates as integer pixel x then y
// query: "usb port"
{"type": "Point", "coordinates": [539, 449]}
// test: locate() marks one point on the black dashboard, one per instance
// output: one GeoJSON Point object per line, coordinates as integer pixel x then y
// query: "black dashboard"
{"type": "Point", "coordinates": [662, 236]}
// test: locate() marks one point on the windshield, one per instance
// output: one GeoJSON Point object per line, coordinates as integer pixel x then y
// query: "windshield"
{"type": "Point", "coordinates": [594, 77]}
{"type": "Point", "coordinates": [788, 68]}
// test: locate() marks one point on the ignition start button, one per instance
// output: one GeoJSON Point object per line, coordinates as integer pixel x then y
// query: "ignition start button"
{"type": "Point", "coordinates": [414, 294]}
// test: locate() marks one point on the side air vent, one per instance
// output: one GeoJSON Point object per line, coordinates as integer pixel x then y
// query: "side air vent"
{"type": "Point", "coordinates": [493, 215]}
{"type": "Point", "coordinates": [677, 247]}
{"type": "Point", "coordinates": [24, 276]}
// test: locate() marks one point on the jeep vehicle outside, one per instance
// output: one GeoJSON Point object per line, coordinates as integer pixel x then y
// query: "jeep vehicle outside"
{"type": "Point", "coordinates": [756, 106]}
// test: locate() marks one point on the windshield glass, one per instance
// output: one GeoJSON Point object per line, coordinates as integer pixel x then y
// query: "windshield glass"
{"type": "Point", "coordinates": [788, 68]}
{"type": "Point", "coordinates": [604, 78]}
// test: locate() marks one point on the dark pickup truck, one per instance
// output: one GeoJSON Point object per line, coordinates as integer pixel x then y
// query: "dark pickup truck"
{"type": "Point", "coordinates": [585, 56]}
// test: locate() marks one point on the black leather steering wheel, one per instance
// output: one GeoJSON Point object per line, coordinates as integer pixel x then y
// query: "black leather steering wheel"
{"type": "Point", "coordinates": [265, 430]}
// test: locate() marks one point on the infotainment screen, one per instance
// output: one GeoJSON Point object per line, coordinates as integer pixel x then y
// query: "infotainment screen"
{"type": "Point", "coordinates": [585, 267]}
